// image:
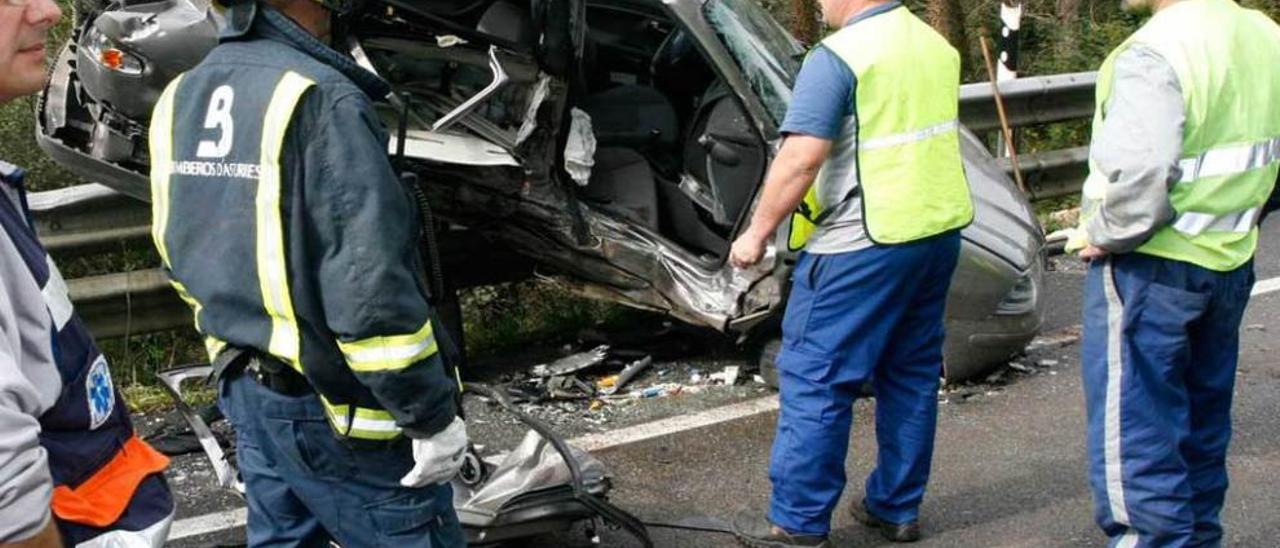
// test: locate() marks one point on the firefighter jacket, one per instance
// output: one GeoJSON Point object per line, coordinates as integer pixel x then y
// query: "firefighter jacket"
{"type": "Point", "coordinates": [280, 219]}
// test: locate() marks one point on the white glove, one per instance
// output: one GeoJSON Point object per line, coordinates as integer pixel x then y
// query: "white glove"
{"type": "Point", "coordinates": [438, 458]}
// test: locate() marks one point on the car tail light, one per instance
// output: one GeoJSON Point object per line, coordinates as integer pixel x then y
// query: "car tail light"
{"type": "Point", "coordinates": [1021, 299]}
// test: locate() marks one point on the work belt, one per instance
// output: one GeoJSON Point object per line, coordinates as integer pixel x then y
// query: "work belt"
{"type": "Point", "coordinates": [276, 376]}
{"type": "Point", "coordinates": [271, 373]}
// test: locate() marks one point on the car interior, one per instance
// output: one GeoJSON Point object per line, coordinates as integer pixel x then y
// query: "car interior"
{"type": "Point", "coordinates": [675, 152]}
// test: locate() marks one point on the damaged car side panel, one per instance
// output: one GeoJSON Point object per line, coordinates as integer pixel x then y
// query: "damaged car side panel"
{"type": "Point", "coordinates": [683, 99]}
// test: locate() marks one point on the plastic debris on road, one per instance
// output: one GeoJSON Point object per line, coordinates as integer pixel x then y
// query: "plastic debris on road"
{"type": "Point", "coordinates": [729, 376]}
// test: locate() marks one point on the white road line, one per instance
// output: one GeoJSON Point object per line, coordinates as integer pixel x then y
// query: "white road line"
{"type": "Point", "coordinates": [1266, 286]}
{"type": "Point", "coordinates": [672, 425]}
{"type": "Point", "coordinates": [208, 523]}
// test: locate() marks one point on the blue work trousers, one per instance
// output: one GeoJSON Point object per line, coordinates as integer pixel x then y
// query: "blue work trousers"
{"type": "Point", "coordinates": [1161, 342]}
{"type": "Point", "coordinates": [306, 486]}
{"type": "Point", "coordinates": [872, 314]}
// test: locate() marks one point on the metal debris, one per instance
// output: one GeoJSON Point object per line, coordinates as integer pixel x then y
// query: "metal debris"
{"type": "Point", "coordinates": [1048, 363]}
{"type": "Point", "coordinates": [1020, 367]}
{"type": "Point", "coordinates": [629, 374]}
{"type": "Point", "coordinates": [568, 387]}
{"type": "Point", "coordinates": [573, 363]}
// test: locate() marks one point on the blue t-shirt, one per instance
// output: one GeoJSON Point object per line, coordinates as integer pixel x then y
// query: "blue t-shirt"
{"type": "Point", "coordinates": [822, 97]}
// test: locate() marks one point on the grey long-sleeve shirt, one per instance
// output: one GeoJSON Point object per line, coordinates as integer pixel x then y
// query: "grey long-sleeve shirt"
{"type": "Point", "coordinates": [1137, 149]}
{"type": "Point", "coordinates": [29, 386]}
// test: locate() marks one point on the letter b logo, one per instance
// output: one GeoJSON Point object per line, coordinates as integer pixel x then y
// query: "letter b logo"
{"type": "Point", "coordinates": [219, 118]}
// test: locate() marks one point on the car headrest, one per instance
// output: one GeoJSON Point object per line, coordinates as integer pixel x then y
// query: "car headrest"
{"type": "Point", "coordinates": [509, 21]}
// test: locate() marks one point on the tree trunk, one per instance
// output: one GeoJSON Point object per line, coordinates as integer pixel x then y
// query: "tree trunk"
{"type": "Point", "coordinates": [1068, 14]}
{"type": "Point", "coordinates": [1068, 11]}
{"type": "Point", "coordinates": [947, 16]}
{"type": "Point", "coordinates": [804, 21]}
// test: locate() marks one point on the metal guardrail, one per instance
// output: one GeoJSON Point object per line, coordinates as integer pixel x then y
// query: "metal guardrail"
{"type": "Point", "coordinates": [88, 219]}
{"type": "Point", "coordinates": [125, 303]}
{"type": "Point", "coordinates": [1051, 174]}
{"type": "Point", "coordinates": [93, 218]}
{"type": "Point", "coordinates": [1029, 101]}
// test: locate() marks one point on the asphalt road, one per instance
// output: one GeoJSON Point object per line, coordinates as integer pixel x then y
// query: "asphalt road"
{"type": "Point", "coordinates": [1009, 467]}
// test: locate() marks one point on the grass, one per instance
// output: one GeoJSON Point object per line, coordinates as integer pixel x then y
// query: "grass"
{"type": "Point", "coordinates": [510, 316]}
{"type": "Point", "coordinates": [150, 398]}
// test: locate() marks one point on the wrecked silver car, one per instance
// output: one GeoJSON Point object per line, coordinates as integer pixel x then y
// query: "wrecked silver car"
{"type": "Point", "coordinates": [615, 145]}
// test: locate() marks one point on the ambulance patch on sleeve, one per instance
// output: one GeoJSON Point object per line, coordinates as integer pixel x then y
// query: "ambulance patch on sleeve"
{"type": "Point", "coordinates": [99, 392]}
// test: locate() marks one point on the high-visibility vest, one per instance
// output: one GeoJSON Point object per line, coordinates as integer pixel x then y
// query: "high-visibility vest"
{"type": "Point", "coordinates": [904, 138]}
{"type": "Point", "coordinates": [1227, 60]}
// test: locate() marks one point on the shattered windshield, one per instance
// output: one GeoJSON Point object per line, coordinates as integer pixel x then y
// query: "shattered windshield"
{"type": "Point", "coordinates": [767, 54]}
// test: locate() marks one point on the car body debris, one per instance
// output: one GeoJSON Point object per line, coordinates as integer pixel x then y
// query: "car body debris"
{"type": "Point", "coordinates": [629, 374]}
{"type": "Point", "coordinates": [573, 363]}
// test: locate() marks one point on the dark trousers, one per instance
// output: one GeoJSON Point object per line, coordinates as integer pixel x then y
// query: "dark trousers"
{"type": "Point", "coordinates": [851, 315]}
{"type": "Point", "coordinates": [306, 486]}
{"type": "Point", "coordinates": [1161, 342]}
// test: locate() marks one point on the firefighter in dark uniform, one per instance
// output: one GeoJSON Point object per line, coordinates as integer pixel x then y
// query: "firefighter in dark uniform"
{"type": "Point", "coordinates": [280, 219]}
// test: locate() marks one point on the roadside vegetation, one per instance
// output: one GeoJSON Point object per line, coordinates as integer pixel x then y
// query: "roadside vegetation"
{"type": "Point", "coordinates": [1056, 36]}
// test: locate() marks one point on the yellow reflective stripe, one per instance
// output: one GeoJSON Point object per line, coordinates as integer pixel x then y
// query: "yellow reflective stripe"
{"type": "Point", "coordinates": [160, 138]}
{"type": "Point", "coordinates": [272, 271]}
{"type": "Point", "coordinates": [214, 346]}
{"type": "Point", "coordinates": [390, 353]}
{"type": "Point", "coordinates": [372, 424]}
{"type": "Point", "coordinates": [161, 143]}
{"type": "Point", "coordinates": [191, 301]}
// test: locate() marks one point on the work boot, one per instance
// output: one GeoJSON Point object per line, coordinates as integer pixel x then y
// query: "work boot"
{"type": "Point", "coordinates": [896, 532]}
{"type": "Point", "coordinates": [754, 531]}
